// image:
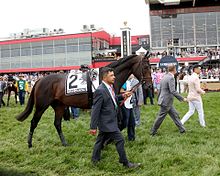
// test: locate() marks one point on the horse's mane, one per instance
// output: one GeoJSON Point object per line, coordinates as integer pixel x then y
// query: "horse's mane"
{"type": "Point", "coordinates": [121, 61]}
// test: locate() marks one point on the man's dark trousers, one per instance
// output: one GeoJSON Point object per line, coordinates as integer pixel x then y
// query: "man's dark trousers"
{"type": "Point", "coordinates": [1, 100]}
{"type": "Point", "coordinates": [129, 122]}
{"type": "Point", "coordinates": [21, 97]}
{"type": "Point", "coordinates": [119, 142]}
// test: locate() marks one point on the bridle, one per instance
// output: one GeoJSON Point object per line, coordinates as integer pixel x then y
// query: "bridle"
{"type": "Point", "coordinates": [144, 65]}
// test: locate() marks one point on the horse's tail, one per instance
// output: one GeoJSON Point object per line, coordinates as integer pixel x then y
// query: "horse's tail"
{"type": "Point", "coordinates": [21, 117]}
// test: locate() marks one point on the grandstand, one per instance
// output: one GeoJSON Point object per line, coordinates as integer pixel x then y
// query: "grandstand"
{"type": "Point", "coordinates": [186, 28]}
{"type": "Point", "coordinates": [47, 53]}
{"type": "Point", "coordinates": [44, 50]}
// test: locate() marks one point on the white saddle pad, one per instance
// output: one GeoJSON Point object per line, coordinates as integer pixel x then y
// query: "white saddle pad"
{"type": "Point", "coordinates": [76, 81]}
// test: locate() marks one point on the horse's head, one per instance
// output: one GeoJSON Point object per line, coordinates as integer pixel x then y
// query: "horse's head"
{"type": "Point", "coordinates": [139, 66]}
{"type": "Point", "coordinates": [142, 71]}
{"type": "Point", "coordinates": [10, 84]}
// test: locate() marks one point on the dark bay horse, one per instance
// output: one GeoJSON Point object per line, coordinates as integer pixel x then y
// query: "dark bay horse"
{"type": "Point", "coordinates": [50, 91]}
{"type": "Point", "coordinates": [10, 87]}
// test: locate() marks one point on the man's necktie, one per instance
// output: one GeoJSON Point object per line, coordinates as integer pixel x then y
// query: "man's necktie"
{"type": "Point", "coordinates": [113, 95]}
{"type": "Point", "coordinates": [113, 92]}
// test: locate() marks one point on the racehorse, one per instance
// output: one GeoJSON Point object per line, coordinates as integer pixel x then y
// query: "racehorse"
{"type": "Point", "coordinates": [50, 91]}
{"type": "Point", "coordinates": [10, 87]}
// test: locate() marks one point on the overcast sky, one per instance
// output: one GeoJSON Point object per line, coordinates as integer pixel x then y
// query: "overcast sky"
{"type": "Point", "coordinates": [70, 15]}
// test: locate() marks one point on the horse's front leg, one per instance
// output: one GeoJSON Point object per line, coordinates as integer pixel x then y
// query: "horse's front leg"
{"type": "Point", "coordinates": [59, 111]}
{"type": "Point", "coordinates": [16, 97]}
{"type": "Point", "coordinates": [9, 94]}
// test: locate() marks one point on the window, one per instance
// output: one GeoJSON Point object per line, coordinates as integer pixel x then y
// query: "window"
{"type": "Point", "coordinates": [74, 41]}
{"type": "Point", "coordinates": [37, 50]}
{"type": "Point", "coordinates": [72, 48]}
{"type": "Point", "coordinates": [5, 51]}
{"type": "Point", "coordinates": [15, 52]}
{"type": "Point", "coordinates": [60, 49]}
{"type": "Point", "coordinates": [25, 51]}
{"type": "Point", "coordinates": [85, 40]}
{"type": "Point", "coordinates": [85, 48]}
{"type": "Point", "coordinates": [59, 42]}
{"type": "Point", "coordinates": [48, 50]}
{"type": "Point", "coordinates": [48, 44]}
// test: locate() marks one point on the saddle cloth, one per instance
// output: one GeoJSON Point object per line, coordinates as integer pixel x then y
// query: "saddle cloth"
{"type": "Point", "coordinates": [77, 81]}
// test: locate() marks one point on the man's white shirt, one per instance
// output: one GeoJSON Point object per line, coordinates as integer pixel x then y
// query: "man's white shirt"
{"type": "Point", "coordinates": [110, 91]}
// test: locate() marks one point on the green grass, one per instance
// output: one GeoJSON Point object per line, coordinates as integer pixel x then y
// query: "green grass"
{"type": "Point", "coordinates": [169, 153]}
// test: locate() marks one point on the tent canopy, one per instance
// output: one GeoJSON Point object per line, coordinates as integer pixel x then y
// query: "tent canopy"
{"type": "Point", "coordinates": [166, 60]}
{"type": "Point", "coordinates": [141, 50]}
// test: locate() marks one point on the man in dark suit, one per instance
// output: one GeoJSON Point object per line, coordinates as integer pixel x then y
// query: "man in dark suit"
{"type": "Point", "coordinates": [166, 95]}
{"type": "Point", "coordinates": [104, 116]}
{"type": "Point", "coordinates": [2, 89]}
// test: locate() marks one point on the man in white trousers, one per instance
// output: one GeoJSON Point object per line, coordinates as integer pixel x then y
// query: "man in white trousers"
{"type": "Point", "coordinates": [194, 97]}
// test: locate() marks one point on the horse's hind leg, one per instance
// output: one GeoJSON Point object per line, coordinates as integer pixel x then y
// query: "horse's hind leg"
{"type": "Point", "coordinates": [59, 111]}
{"type": "Point", "coordinates": [36, 118]}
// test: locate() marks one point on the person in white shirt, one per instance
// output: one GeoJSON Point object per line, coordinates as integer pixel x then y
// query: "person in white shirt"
{"type": "Point", "coordinates": [127, 111]}
{"type": "Point", "coordinates": [194, 97]}
{"type": "Point", "coordinates": [130, 108]}
{"type": "Point", "coordinates": [185, 79]}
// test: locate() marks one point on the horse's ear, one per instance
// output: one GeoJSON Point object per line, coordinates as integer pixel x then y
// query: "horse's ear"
{"type": "Point", "coordinates": [147, 55]}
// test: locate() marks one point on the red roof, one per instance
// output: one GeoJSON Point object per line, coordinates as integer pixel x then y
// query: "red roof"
{"type": "Point", "coordinates": [117, 40]}
{"type": "Point", "coordinates": [181, 59]}
{"type": "Point", "coordinates": [188, 59]}
{"type": "Point", "coordinates": [39, 69]}
{"type": "Point", "coordinates": [100, 34]}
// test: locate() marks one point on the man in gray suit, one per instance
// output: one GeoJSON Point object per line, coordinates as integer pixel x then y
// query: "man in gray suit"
{"type": "Point", "coordinates": [165, 101]}
{"type": "Point", "coordinates": [104, 117]}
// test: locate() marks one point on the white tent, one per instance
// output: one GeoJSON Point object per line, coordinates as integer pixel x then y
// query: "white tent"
{"type": "Point", "coordinates": [141, 51]}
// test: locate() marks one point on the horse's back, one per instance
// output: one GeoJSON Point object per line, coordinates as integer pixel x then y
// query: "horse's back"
{"type": "Point", "coordinates": [51, 89]}
{"type": "Point", "coordinates": [47, 88]}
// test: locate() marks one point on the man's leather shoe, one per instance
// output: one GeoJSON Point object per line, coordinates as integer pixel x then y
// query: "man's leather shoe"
{"type": "Point", "coordinates": [131, 139]}
{"type": "Point", "coordinates": [95, 162]}
{"type": "Point", "coordinates": [153, 133]}
{"type": "Point", "coordinates": [182, 131]}
{"type": "Point", "coordinates": [132, 165]}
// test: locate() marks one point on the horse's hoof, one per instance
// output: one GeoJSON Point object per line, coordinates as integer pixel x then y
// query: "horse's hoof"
{"type": "Point", "coordinates": [65, 145]}
{"type": "Point", "coordinates": [29, 145]}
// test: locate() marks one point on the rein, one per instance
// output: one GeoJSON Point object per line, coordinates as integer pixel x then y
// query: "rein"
{"type": "Point", "coordinates": [142, 81]}
{"type": "Point", "coordinates": [133, 89]}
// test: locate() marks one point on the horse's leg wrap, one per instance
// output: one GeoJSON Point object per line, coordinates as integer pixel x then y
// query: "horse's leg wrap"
{"type": "Point", "coordinates": [30, 139]}
{"type": "Point", "coordinates": [57, 124]}
{"type": "Point", "coordinates": [62, 138]}
{"type": "Point", "coordinates": [34, 123]}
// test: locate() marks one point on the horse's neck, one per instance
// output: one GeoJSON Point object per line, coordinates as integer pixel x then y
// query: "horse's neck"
{"type": "Point", "coordinates": [121, 78]}
{"type": "Point", "coordinates": [123, 71]}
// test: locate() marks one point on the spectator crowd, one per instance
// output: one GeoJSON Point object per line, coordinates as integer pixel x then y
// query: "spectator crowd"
{"type": "Point", "coordinates": [212, 53]}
